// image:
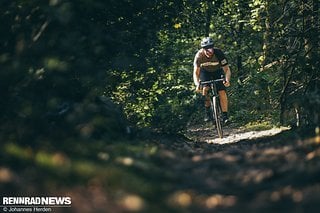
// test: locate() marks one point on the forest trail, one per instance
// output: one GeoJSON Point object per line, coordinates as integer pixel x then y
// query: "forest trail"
{"type": "Point", "coordinates": [271, 170]}
{"type": "Point", "coordinates": [274, 170]}
{"type": "Point", "coordinates": [207, 133]}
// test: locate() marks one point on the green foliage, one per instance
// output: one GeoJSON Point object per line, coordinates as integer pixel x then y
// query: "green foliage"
{"type": "Point", "coordinates": [141, 56]}
{"type": "Point", "coordinates": [75, 74]}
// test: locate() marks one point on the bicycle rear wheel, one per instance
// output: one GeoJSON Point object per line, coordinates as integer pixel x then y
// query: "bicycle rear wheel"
{"type": "Point", "coordinates": [218, 116]}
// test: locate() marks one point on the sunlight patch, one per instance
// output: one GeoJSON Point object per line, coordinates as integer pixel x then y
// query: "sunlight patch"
{"type": "Point", "coordinates": [127, 161]}
{"type": "Point", "coordinates": [217, 200]}
{"type": "Point", "coordinates": [246, 136]}
{"type": "Point", "coordinates": [287, 192]}
{"type": "Point", "coordinates": [181, 199]}
{"type": "Point", "coordinates": [132, 203]}
{"type": "Point", "coordinates": [5, 175]}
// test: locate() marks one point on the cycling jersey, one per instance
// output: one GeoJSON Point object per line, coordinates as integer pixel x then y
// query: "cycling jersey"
{"type": "Point", "coordinates": [216, 62]}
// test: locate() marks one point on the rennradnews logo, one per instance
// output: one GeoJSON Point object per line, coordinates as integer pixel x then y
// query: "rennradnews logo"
{"type": "Point", "coordinates": [34, 204]}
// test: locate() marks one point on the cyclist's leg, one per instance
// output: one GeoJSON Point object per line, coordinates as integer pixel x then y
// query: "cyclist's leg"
{"type": "Point", "coordinates": [205, 92]}
{"type": "Point", "coordinates": [207, 105]}
{"type": "Point", "coordinates": [222, 94]}
{"type": "Point", "coordinates": [223, 100]}
{"type": "Point", "coordinates": [206, 76]}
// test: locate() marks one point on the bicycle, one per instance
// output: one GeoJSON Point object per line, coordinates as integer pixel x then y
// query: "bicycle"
{"type": "Point", "coordinates": [215, 107]}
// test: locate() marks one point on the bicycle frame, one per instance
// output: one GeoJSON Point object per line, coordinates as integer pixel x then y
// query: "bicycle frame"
{"type": "Point", "coordinates": [212, 85]}
{"type": "Point", "coordinates": [215, 104]}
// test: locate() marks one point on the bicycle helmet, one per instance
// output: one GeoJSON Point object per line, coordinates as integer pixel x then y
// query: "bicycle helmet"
{"type": "Point", "coordinates": [207, 42]}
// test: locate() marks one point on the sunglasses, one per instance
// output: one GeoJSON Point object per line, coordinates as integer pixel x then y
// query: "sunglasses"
{"type": "Point", "coordinates": [208, 47]}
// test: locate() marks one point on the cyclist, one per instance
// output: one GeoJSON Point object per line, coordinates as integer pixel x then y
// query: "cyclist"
{"type": "Point", "coordinates": [209, 64]}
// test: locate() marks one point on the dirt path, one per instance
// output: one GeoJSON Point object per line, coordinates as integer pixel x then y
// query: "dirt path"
{"type": "Point", "coordinates": [206, 133]}
{"type": "Point", "coordinates": [247, 171]}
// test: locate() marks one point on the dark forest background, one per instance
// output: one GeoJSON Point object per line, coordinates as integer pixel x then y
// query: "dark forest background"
{"type": "Point", "coordinates": [96, 95]}
{"type": "Point", "coordinates": [58, 55]}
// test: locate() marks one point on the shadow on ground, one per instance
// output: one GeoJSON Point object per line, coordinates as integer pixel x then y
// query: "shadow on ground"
{"type": "Point", "coordinates": [156, 173]}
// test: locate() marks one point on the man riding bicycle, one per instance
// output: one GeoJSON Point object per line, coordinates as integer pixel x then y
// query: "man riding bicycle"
{"type": "Point", "coordinates": [209, 64]}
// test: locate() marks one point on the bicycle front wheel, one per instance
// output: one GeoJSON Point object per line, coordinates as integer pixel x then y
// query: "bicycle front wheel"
{"type": "Point", "coordinates": [218, 116]}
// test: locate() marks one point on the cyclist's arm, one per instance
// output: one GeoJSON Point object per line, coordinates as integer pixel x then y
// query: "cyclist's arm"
{"type": "Point", "coordinates": [196, 70]}
{"type": "Point", "coordinates": [227, 72]}
{"type": "Point", "coordinates": [196, 74]}
{"type": "Point", "coordinates": [224, 63]}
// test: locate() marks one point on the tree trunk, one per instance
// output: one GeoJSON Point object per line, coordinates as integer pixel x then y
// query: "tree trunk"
{"type": "Point", "coordinates": [241, 75]}
{"type": "Point", "coordinates": [209, 16]}
{"type": "Point", "coordinates": [267, 36]}
{"type": "Point", "coordinates": [311, 34]}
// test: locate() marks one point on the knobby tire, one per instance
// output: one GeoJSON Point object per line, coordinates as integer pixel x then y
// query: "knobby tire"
{"type": "Point", "coordinates": [218, 116]}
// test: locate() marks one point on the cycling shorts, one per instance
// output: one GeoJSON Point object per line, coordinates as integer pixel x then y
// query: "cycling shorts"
{"type": "Point", "coordinates": [207, 76]}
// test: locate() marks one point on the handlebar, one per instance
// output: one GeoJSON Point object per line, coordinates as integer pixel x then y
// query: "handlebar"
{"type": "Point", "coordinates": [211, 81]}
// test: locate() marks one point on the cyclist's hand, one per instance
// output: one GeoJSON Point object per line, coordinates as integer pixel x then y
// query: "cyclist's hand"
{"type": "Point", "coordinates": [198, 89]}
{"type": "Point", "coordinates": [226, 83]}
